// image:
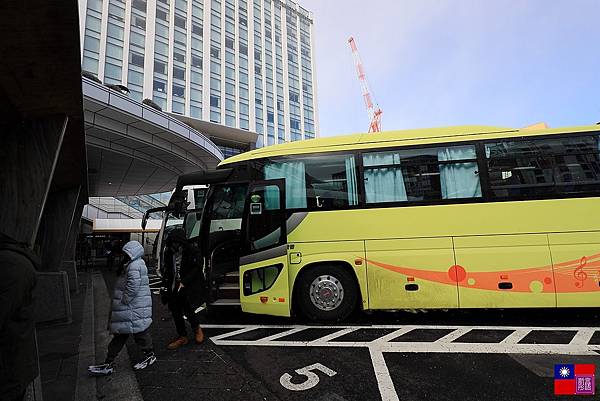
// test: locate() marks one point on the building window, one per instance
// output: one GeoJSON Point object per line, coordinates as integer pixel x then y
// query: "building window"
{"type": "Point", "coordinates": [91, 44]}
{"type": "Point", "coordinates": [115, 31]}
{"type": "Point", "coordinates": [178, 91]}
{"type": "Point", "coordinates": [215, 101]}
{"type": "Point", "coordinates": [196, 77]}
{"type": "Point", "coordinates": [112, 71]}
{"type": "Point", "coordinates": [179, 57]}
{"type": "Point", "coordinates": [179, 73]}
{"type": "Point", "coordinates": [214, 52]}
{"type": "Point", "coordinates": [197, 29]}
{"type": "Point", "coordinates": [135, 78]}
{"type": "Point", "coordinates": [229, 43]}
{"type": "Point", "coordinates": [136, 59]}
{"type": "Point", "coordinates": [137, 39]}
{"type": "Point", "coordinates": [139, 5]}
{"type": "Point", "coordinates": [140, 22]}
{"type": "Point", "coordinates": [181, 5]}
{"type": "Point", "coordinates": [243, 49]}
{"type": "Point", "coordinates": [160, 67]}
{"type": "Point", "coordinates": [162, 15]}
{"type": "Point", "coordinates": [178, 107]}
{"type": "Point", "coordinates": [160, 86]}
{"type": "Point", "coordinates": [197, 62]}
{"type": "Point", "coordinates": [180, 22]}
{"type": "Point", "coordinates": [294, 124]}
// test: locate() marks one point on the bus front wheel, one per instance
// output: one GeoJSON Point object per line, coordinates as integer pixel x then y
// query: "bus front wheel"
{"type": "Point", "coordinates": [327, 293]}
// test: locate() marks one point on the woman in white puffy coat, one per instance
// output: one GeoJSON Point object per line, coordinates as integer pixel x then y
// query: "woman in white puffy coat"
{"type": "Point", "coordinates": [131, 311]}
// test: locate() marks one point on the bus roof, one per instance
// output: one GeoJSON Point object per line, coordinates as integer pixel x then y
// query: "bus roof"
{"type": "Point", "coordinates": [399, 138]}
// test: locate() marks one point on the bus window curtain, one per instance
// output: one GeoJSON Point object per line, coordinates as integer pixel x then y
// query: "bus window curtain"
{"type": "Point", "coordinates": [383, 183]}
{"type": "Point", "coordinates": [459, 180]}
{"type": "Point", "coordinates": [351, 180]}
{"type": "Point", "coordinates": [295, 184]}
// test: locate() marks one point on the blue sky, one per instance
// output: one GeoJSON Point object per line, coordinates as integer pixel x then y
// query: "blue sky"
{"type": "Point", "coordinates": [453, 62]}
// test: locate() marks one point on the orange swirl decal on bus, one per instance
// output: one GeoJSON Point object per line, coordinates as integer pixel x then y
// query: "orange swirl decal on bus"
{"type": "Point", "coordinates": [577, 275]}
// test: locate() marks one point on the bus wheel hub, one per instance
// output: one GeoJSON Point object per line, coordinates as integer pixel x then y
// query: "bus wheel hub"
{"type": "Point", "coordinates": [326, 292]}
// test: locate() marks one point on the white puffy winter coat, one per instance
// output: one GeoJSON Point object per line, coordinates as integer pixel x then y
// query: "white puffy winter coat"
{"type": "Point", "coordinates": [131, 309]}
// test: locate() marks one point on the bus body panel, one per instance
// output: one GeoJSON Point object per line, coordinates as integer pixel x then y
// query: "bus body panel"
{"type": "Point", "coordinates": [273, 301]}
{"type": "Point", "coordinates": [525, 241]}
{"type": "Point", "coordinates": [504, 271]}
{"type": "Point", "coordinates": [464, 219]}
{"type": "Point", "coordinates": [576, 265]}
{"type": "Point", "coordinates": [393, 283]}
{"type": "Point", "coordinates": [350, 253]}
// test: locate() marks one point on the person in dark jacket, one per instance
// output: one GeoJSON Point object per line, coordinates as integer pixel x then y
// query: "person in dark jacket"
{"type": "Point", "coordinates": [131, 311]}
{"type": "Point", "coordinates": [18, 351]}
{"type": "Point", "coordinates": [183, 286]}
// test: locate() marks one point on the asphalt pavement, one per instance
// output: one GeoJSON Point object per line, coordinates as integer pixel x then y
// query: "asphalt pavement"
{"type": "Point", "coordinates": [436, 355]}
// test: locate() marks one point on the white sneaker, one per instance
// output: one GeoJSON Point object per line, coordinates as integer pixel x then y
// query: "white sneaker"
{"type": "Point", "coordinates": [150, 359]}
{"type": "Point", "coordinates": [101, 370]}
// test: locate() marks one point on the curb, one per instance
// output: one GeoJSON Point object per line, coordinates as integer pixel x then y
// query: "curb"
{"type": "Point", "coordinates": [85, 388]}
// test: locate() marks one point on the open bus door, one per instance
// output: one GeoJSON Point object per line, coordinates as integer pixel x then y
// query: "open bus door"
{"type": "Point", "coordinates": [263, 261]}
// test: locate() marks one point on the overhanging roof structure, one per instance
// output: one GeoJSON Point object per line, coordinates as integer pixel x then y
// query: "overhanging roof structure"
{"type": "Point", "coordinates": [134, 149]}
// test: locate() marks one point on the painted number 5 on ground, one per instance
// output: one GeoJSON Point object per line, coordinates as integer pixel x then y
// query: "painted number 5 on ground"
{"type": "Point", "coordinates": [312, 379]}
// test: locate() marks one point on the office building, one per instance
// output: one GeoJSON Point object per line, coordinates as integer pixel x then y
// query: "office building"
{"type": "Point", "coordinates": [243, 64]}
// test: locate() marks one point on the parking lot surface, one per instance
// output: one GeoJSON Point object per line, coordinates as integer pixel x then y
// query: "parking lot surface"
{"type": "Point", "coordinates": [441, 355]}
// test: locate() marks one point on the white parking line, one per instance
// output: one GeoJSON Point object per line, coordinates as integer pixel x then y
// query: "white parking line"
{"type": "Point", "coordinates": [582, 337]}
{"type": "Point", "coordinates": [336, 334]}
{"type": "Point", "coordinates": [516, 336]}
{"type": "Point", "coordinates": [384, 380]}
{"type": "Point", "coordinates": [453, 335]}
{"type": "Point", "coordinates": [385, 344]}
{"type": "Point", "coordinates": [509, 345]}
{"type": "Point", "coordinates": [283, 334]}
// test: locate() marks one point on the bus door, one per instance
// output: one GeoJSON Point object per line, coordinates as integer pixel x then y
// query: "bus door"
{"type": "Point", "coordinates": [263, 264]}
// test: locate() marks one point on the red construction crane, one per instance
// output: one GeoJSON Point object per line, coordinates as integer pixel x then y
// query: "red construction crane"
{"type": "Point", "coordinates": [372, 107]}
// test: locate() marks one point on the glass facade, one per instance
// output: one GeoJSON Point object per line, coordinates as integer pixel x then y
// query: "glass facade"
{"type": "Point", "coordinates": [246, 64]}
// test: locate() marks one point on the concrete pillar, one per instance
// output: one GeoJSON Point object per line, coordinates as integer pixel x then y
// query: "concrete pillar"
{"type": "Point", "coordinates": [55, 228]}
{"type": "Point", "coordinates": [28, 157]}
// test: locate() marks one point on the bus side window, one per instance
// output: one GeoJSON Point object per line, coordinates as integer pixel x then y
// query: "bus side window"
{"type": "Point", "coordinates": [425, 174]}
{"type": "Point", "coordinates": [316, 182]}
{"type": "Point", "coordinates": [541, 167]}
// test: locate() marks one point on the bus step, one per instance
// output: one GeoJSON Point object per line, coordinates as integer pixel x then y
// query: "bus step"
{"type": "Point", "coordinates": [231, 278]}
{"type": "Point", "coordinates": [230, 286]}
{"type": "Point", "coordinates": [226, 302]}
{"type": "Point", "coordinates": [229, 292]}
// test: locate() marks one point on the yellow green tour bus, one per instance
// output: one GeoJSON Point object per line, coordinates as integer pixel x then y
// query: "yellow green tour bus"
{"type": "Point", "coordinates": [460, 217]}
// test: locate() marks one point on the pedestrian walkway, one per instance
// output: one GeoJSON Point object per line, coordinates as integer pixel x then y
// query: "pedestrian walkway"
{"type": "Point", "coordinates": [58, 349]}
{"type": "Point", "coordinates": [192, 372]}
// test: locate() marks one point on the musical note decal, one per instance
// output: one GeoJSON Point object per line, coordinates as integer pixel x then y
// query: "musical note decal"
{"type": "Point", "coordinates": [579, 274]}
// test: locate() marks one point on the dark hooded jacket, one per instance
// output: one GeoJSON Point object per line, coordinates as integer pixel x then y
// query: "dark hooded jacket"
{"type": "Point", "coordinates": [191, 271]}
{"type": "Point", "coordinates": [18, 351]}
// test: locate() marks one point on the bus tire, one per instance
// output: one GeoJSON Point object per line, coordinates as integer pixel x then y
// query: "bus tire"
{"type": "Point", "coordinates": [327, 293]}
